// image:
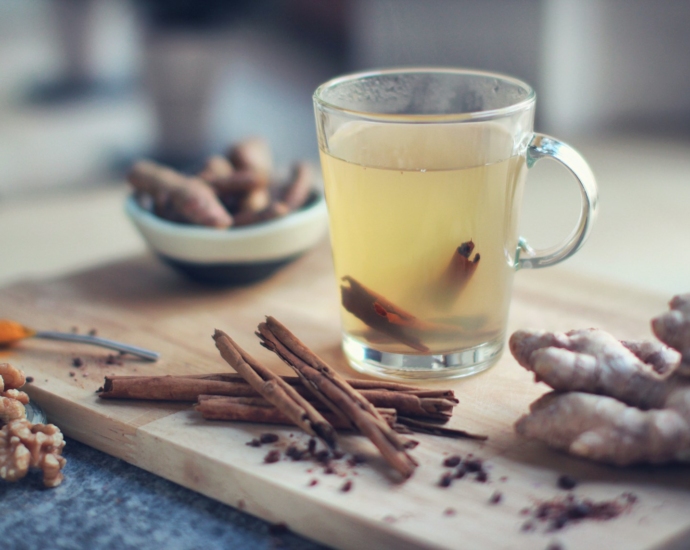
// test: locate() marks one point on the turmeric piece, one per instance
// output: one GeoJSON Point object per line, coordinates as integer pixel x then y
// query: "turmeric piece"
{"type": "Point", "coordinates": [615, 402]}
{"type": "Point", "coordinates": [11, 332]}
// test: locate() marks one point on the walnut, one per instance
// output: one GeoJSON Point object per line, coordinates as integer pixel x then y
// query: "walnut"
{"type": "Point", "coordinates": [24, 446]}
{"type": "Point", "coordinates": [11, 409]}
{"type": "Point", "coordinates": [11, 378]}
{"type": "Point", "coordinates": [20, 396]}
{"type": "Point", "coordinates": [12, 400]}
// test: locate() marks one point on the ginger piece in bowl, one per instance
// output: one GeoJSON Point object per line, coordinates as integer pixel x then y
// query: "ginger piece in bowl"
{"type": "Point", "coordinates": [177, 197]}
{"type": "Point", "coordinates": [236, 189]}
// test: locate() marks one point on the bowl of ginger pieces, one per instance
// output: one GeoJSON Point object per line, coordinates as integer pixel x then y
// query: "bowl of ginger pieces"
{"type": "Point", "coordinates": [236, 221]}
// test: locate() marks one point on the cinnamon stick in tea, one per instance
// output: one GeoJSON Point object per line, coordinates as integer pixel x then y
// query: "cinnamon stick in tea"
{"type": "Point", "coordinates": [337, 394]}
{"type": "Point", "coordinates": [458, 272]}
{"type": "Point", "coordinates": [275, 390]}
{"type": "Point", "coordinates": [380, 314]}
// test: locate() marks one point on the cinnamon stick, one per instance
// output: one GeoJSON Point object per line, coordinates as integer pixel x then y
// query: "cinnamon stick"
{"type": "Point", "coordinates": [187, 387]}
{"type": "Point", "coordinates": [256, 409]}
{"type": "Point", "coordinates": [337, 394]}
{"type": "Point", "coordinates": [275, 390]}
{"type": "Point", "coordinates": [174, 388]}
{"type": "Point", "coordinates": [434, 429]}
{"type": "Point", "coordinates": [437, 404]}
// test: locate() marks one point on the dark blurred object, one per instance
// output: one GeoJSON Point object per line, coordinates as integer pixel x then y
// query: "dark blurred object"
{"type": "Point", "coordinates": [73, 24]}
{"type": "Point", "coordinates": [326, 25]}
{"type": "Point", "coordinates": [195, 14]}
{"type": "Point", "coordinates": [181, 65]}
{"type": "Point", "coordinates": [184, 54]}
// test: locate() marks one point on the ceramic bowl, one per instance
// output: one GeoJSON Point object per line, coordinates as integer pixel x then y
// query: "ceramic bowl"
{"type": "Point", "coordinates": [234, 256]}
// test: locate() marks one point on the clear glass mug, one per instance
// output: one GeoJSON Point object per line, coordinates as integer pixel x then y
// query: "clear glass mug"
{"type": "Point", "coordinates": [424, 172]}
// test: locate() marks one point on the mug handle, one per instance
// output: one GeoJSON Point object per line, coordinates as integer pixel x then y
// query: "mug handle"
{"type": "Point", "coordinates": [544, 146]}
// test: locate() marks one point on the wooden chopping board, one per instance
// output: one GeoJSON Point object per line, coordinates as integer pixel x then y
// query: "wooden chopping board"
{"type": "Point", "coordinates": [141, 302]}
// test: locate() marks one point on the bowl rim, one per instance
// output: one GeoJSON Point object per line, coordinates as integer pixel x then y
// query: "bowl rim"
{"type": "Point", "coordinates": [287, 222]}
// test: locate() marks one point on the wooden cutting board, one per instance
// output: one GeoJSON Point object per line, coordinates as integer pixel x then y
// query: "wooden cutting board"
{"type": "Point", "coordinates": [141, 302]}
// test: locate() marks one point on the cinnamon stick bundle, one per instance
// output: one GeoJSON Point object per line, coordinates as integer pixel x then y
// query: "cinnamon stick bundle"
{"type": "Point", "coordinates": [346, 402]}
{"type": "Point", "coordinates": [416, 402]}
{"type": "Point", "coordinates": [257, 409]}
{"type": "Point", "coordinates": [275, 390]}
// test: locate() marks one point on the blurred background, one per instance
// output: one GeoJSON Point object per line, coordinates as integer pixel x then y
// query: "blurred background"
{"type": "Point", "coordinates": [87, 86]}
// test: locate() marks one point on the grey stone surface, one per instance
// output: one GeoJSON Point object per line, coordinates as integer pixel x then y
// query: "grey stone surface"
{"type": "Point", "coordinates": [106, 503]}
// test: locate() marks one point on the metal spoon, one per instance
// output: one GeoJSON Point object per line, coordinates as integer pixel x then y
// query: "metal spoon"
{"type": "Point", "coordinates": [11, 331]}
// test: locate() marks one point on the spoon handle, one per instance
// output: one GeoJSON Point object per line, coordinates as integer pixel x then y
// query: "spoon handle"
{"type": "Point", "coordinates": [102, 342]}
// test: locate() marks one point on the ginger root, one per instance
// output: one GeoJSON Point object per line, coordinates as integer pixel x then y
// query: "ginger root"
{"type": "Point", "coordinates": [673, 328]}
{"type": "Point", "coordinates": [614, 402]}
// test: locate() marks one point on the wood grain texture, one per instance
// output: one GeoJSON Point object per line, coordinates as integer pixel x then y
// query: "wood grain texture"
{"type": "Point", "coordinates": [141, 302]}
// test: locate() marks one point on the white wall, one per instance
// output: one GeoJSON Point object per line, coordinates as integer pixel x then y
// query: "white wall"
{"type": "Point", "coordinates": [596, 64]}
{"type": "Point", "coordinates": [488, 34]}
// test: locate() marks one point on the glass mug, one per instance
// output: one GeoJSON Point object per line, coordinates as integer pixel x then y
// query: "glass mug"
{"type": "Point", "coordinates": [424, 172]}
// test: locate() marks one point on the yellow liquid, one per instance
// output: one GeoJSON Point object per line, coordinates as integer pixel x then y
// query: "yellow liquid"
{"type": "Point", "coordinates": [401, 200]}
